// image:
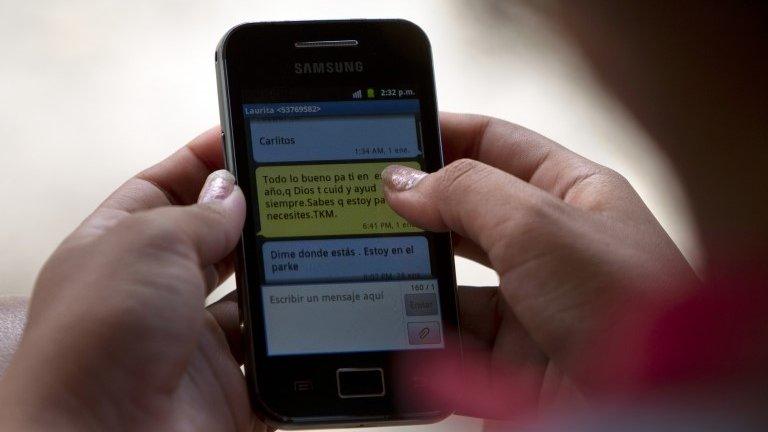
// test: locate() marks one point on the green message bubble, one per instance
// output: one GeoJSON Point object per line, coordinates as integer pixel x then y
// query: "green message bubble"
{"type": "Point", "coordinates": [319, 200]}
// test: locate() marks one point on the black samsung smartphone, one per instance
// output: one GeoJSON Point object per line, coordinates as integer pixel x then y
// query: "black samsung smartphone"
{"type": "Point", "coordinates": [344, 305]}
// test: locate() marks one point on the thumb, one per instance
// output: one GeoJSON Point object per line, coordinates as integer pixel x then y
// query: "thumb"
{"type": "Point", "coordinates": [479, 202]}
{"type": "Point", "coordinates": [210, 229]}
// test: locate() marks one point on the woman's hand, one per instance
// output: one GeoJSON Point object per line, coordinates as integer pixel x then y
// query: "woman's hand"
{"type": "Point", "coordinates": [117, 336]}
{"type": "Point", "coordinates": [571, 241]}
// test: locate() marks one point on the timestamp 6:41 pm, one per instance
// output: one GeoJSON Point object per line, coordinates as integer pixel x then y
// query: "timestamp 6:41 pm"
{"type": "Point", "coordinates": [386, 225]}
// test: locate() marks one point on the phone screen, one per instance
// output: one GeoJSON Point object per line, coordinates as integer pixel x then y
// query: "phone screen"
{"type": "Point", "coordinates": [341, 271]}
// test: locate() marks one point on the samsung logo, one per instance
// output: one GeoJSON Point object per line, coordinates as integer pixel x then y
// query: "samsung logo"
{"type": "Point", "coordinates": [328, 67]}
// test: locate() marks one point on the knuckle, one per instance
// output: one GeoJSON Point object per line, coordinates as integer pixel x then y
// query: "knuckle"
{"type": "Point", "coordinates": [532, 221]}
{"type": "Point", "coordinates": [209, 211]}
{"type": "Point", "coordinates": [615, 177]}
{"type": "Point", "coordinates": [597, 188]}
{"type": "Point", "coordinates": [460, 176]}
{"type": "Point", "coordinates": [609, 188]}
{"type": "Point", "coordinates": [612, 175]}
{"type": "Point", "coordinates": [216, 216]}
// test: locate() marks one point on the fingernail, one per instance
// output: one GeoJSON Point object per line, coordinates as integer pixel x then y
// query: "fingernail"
{"type": "Point", "coordinates": [401, 178]}
{"type": "Point", "coordinates": [217, 187]}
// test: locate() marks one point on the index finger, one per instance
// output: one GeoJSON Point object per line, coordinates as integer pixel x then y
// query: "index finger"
{"type": "Point", "coordinates": [509, 147]}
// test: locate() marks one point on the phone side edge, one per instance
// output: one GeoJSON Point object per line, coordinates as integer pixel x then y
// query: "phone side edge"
{"type": "Point", "coordinates": [265, 414]}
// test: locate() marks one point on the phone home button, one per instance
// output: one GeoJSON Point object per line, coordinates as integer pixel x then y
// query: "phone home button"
{"type": "Point", "coordinates": [360, 382]}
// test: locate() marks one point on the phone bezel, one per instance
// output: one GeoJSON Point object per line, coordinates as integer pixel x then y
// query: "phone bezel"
{"type": "Point", "coordinates": [262, 54]}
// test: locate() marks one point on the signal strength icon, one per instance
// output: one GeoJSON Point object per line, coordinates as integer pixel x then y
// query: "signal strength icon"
{"type": "Point", "coordinates": [357, 95]}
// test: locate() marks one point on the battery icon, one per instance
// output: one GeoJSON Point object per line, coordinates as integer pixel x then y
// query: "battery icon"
{"type": "Point", "coordinates": [371, 93]}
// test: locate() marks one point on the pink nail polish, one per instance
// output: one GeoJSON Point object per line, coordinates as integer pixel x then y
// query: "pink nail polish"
{"type": "Point", "coordinates": [218, 186]}
{"type": "Point", "coordinates": [401, 178]}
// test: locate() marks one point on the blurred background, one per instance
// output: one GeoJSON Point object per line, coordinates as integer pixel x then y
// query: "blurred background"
{"type": "Point", "coordinates": [94, 91]}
